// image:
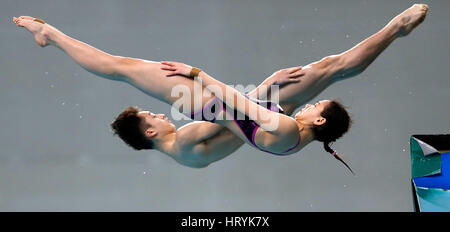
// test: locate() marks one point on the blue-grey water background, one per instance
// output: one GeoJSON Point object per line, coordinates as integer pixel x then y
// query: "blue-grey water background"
{"type": "Point", "coordinates": [58, 153]}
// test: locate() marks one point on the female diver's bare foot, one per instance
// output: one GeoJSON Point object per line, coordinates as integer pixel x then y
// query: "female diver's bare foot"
{"type": "Point", "coordinates": [410, 19]}
{"type": "Point", "coordinates": [40, 31]}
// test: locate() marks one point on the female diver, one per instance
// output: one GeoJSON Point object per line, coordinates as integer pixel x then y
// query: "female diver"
{"type": "Point", "coordinates": [264, 126]}
{"type": "Point", "coordinates": [199, 144]}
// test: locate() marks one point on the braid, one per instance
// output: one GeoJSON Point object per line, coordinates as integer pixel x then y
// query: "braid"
{"type": "Point", "coordinates": [326, 146]}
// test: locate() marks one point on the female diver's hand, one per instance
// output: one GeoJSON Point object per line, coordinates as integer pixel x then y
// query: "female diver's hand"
{"type": "Point", "coordinates": [176, 68]}
{"type": "Point", "coordinates": [288, 76]}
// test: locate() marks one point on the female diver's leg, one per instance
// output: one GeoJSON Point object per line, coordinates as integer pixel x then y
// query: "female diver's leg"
{"type": "Point", "coordinates": [319, 75]}
{"type": "Point", "coordinates": [142, 74]}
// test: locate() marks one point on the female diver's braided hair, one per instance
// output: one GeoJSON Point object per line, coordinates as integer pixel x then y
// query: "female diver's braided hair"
{"type": "Point", "coordinates": [337, 124]}
{"type": "Point", "coordinates": [335, 155]}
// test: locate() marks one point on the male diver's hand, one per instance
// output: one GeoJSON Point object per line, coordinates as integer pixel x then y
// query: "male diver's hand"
{"type": "Point", "coordinates": [176, 68]}
{"type": "Point", "coordinates": [288, 75]}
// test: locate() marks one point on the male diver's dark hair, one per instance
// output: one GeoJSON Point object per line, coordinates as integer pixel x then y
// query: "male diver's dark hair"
{"type": "Point", "coordinates": [126, 126]}
{"type": "Point", "coordinates": [337, 123]}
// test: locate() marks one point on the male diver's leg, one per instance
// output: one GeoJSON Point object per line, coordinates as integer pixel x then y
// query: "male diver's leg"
{"type": "Point", "coordinates": [142, 74]}
{"type": "Point", "coordinates": [88, 57]}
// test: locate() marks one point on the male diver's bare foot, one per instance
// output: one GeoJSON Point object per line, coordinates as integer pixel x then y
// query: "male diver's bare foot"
{"type": "Point", "coordinates": [410, 19]}
{"type": "Point", "coordinates": [40, 31]}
